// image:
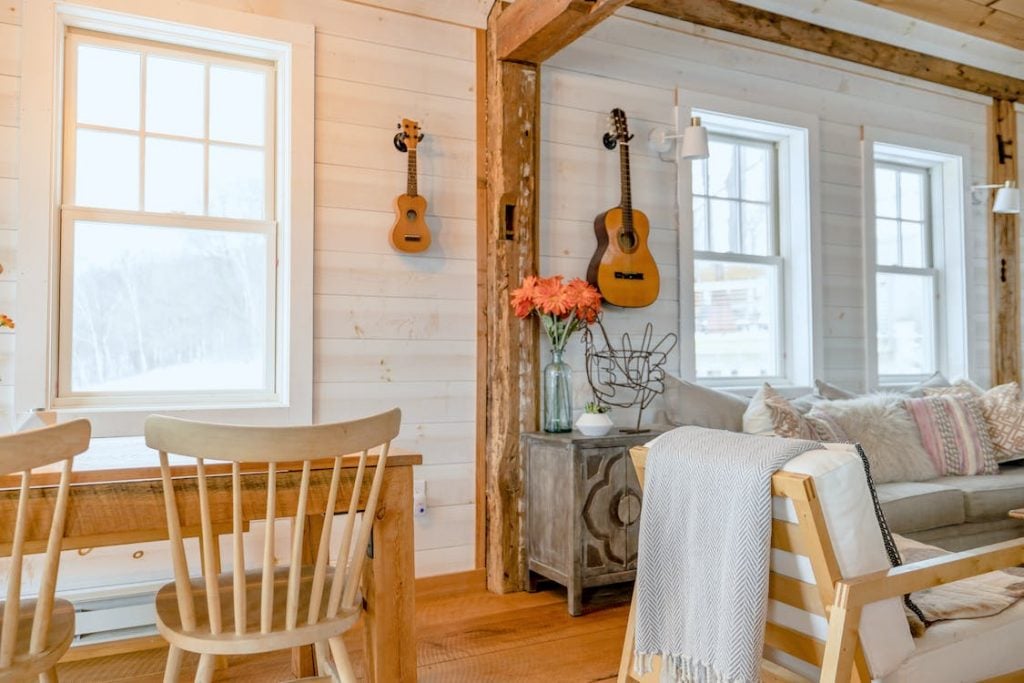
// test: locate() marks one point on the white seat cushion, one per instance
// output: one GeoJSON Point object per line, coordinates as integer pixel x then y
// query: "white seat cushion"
{"type": "Point", "coordinates": [966, 650]}
{"type": "Point", "coordinates": [842, 489]}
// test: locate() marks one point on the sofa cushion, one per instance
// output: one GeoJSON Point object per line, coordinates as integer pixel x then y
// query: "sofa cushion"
{"type": "Point", "coordinates": [919, 506]}
{"type": "Point", "coordinates": [687, 403]}
{"type": "Point", "coordinates": [989, 497]}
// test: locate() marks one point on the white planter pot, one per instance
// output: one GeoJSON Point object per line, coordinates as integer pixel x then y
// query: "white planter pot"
{"type": "Point", "coordinates": [594, 424]}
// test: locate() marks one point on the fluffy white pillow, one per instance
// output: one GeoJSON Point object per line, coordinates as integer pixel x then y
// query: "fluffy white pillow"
{"type": "Point", "coordinates": [889, 435]}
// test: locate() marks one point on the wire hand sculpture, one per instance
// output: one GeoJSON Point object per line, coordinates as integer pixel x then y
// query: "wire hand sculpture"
{"type": "Point", "coordinates": [626, 376]}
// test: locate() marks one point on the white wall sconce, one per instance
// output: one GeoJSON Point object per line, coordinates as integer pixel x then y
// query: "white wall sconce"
{"type": "Point", "coordinates": [694, 141]}
{"type": "Point", "coordinates": [1007, 197]}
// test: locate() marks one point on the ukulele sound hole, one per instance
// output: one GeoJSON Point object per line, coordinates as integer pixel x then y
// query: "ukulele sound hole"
{"type": "Point", "coordinates": [410, 214]}
{"type": "Point", "coordinates": [627, 241]}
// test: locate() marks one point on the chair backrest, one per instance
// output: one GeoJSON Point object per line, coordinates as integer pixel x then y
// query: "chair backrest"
{"type": "Point", "coordinates": [284, 451]}
{"type": "Point", "coordinates": [20, 454]}
{"type": "Point", "coordinates": [823, 530]}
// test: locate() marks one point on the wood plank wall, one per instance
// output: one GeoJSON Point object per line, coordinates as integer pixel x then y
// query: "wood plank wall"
{"type": "Point", "coordinates": [395, 329]}
{"type": "Point", "coordinates": [636, 61]}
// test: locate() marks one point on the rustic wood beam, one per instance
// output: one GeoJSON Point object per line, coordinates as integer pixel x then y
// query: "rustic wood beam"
{"type": "Point", "coordinates": [512, 380]}
{"type": "Point", "coordinates": [965, 16]}
{"type": "Point", "coordinates": [757, 23]}
{"type": "Point", "coordinates": [1004, 249]}
{"type": "Point", "coordinates": [530, 31]}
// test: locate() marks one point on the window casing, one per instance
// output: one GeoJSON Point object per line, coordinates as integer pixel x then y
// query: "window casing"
{"type": "Point", "coordinates": [271, 245]}
{"type": "Point", "coordinates": [739, 283]}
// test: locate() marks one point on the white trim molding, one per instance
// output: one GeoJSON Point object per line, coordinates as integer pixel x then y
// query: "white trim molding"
{"type": "Point", "coordinates": [289, 46]}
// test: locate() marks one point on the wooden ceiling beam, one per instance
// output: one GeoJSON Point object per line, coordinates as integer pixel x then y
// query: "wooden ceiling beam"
{"type": "Point", "coordinates": [966, 16]}
{"type": "Point", "coordinates": [757, 23]}
{"type": "Point", "coordinates": [530, 31]}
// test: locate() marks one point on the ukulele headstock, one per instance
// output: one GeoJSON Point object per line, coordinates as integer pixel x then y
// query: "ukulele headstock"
{"type": "Point", "coordinates": [619, 129]}
{"type": "Point", "coordinates": [408, 135]}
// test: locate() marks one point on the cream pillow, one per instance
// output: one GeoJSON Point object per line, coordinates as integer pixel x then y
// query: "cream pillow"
{"type": "Point", "coordinates": [757, 418]}
{"type": "Point", "coordinates": [687, 403]}
{"type": "Point", "coordinates": [889, 435]}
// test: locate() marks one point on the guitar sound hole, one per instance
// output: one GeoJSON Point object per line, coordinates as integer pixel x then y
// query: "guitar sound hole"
{"type": "Point", "coordinates": [627, 241]}
{"type": "Point", "coordinates": [410, 214]}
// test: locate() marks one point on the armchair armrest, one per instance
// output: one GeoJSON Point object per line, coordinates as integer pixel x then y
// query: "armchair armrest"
{"type": "Point", "coordinates": [863, 590]}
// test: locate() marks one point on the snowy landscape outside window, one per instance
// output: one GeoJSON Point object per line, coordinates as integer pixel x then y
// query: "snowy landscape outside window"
{"type": "Point", "coordinates": [168, 240]}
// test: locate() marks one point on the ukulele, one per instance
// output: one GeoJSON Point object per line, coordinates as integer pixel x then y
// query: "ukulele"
{"type": "Point", "coordinates": [410, 232]}
{"type": "Point", "coordinates": [622, 268]}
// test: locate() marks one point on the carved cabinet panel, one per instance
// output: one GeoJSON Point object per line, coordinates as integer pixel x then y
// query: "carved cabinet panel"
{"type": "Point", "coordinates": [582, 506]}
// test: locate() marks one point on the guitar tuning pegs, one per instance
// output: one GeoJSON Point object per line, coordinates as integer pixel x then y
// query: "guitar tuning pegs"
{"type": "Point", "coordinates": [398, 126]}
{"type": "Point", "coordinates": [419, 138]}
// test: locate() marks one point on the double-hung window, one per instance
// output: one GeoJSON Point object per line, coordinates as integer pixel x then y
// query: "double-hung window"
{"type": "Point", "coordinates": [739, 287]}
{"type": "Point", "coordinates": [168, 238]}
{"type": "Point", "coordinates": [905, 279]}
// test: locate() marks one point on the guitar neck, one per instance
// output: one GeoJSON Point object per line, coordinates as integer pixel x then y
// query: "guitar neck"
{"type": "Point", "coordinates": [411, 188]}
{"type": "Point", "coordinates": [627, 195]}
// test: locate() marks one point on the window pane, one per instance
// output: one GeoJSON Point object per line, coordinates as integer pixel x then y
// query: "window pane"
{"type": "Point", "coordinates": [700, 224]}
{"type": "Point", "coordinates": [912, 196]}
{"type": "Point", "coordinates": [107, 170]}
{"type": "Point", "coordinates": [108, 87]}
{"type": "Point", "coordinates": [885, 193]}
{"type": "Point", "coordinates": [755, 229]}
{"type": "Point", "coordinates": [168, 309]}
{"type": "Point", "coordinates": [913, 252]}
{"type": "Point", "coordinates": [906, 324]}
{"type": "Point", "coordinates": [736, 307]}
{"type": "Point", "coordinates": [699, 171]}
{"type": "Point", "coordinates": [174, 176]}
{"type": "Point", "coordinates": [236, 182]}
{"type": "Point", "coordinates": [723, 178]}
{"type": "Point", "coordinates": [174, 96]}
{"type": "Point", "coordinates": [237, 105]}
{"type": "Point", "coordinates": [754, 161]}
{"type": "Point", "coordinates": [725, 222]}
{"type": "Point", "coordinates": [887, 242]}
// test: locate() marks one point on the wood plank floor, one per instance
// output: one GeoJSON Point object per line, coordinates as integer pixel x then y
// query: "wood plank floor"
{"type": "Point", "coordinates": [461, 636]}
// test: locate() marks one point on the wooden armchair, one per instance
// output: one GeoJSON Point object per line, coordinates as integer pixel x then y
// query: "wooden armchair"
{"type": "Point", "coordinates": [260, 609]}
{"type": "Point", "coordinates": [35, 633]}
{"type": "Point", "coordinates": [835, 610]}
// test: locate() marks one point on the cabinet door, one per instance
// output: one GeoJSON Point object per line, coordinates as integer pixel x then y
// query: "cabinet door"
{"type": "Point", "coordinates": [609, 511]}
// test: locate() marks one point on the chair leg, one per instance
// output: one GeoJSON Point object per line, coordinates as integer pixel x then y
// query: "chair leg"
{"type": "Point", "coordinates": [628, 644]}
{"type": "Point", "coordinates": [172, 670]}
{"type": "Point", "coordinates": [48, 676]}
{"type": "Point", "coordinates": [341, 660]}
{"type": "Point", "coordinates": [207, 663]}
{"type": "Point", "coordinates": [320, 653]}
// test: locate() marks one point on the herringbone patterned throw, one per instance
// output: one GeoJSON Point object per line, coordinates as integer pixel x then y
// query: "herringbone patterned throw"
{"type": "Point", "coordinates": [702, 570]}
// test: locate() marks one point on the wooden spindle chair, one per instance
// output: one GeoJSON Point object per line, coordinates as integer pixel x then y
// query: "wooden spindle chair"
{"type": "Point", "coordinates": [269, 608]}
{"type": "Point", "coordinates": [36, 632]}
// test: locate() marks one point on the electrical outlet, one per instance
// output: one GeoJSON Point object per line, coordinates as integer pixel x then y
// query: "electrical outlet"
{"type": "Point", "coordinates": [419, 497]}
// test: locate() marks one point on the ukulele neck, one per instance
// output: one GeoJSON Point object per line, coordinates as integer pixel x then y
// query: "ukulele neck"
{"type": "Point", "coordinates": [627, 197]}
{"type": "Point", "coordinates": [411, 189]}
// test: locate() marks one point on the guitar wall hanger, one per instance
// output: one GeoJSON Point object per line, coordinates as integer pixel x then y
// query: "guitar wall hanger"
{"type": "Point", "coordinates": [400, 138]}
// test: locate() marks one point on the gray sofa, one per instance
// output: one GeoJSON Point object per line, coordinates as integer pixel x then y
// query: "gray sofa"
{"type": "Point", "coordinates": [957, 513]}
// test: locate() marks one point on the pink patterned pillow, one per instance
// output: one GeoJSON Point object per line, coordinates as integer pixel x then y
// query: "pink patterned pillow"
{"type": "Point", "coordinates": [954, 434]}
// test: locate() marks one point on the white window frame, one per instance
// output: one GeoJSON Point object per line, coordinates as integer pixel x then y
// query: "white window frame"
{"type": "Point", "coordinates": [289, 46]}
{"type": "Point", "coordinates": [946, 163]}
{"type": "Point", "coordinates": [796, 136]}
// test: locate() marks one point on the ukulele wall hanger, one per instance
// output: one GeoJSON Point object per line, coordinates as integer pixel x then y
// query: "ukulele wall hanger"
{"type": "Point", "coordinates": [410, 233]}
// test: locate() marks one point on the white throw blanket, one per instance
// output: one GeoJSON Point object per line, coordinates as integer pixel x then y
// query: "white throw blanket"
{"type": "Point", "coordinates": [705, 539]}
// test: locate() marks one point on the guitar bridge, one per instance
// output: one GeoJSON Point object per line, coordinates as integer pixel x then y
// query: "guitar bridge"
{"type": "Point", "coordinates": [619, 275]}
{"type": "Point", "coordinates": [412, 238]}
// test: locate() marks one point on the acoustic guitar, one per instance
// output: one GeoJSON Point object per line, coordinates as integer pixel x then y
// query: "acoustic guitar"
{"type": "Point", "coordinates": [622, 268]}
{"type": "Point", "coordinates": [410, 233]}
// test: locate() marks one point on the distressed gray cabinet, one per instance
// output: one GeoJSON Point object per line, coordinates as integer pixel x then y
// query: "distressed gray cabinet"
{"type": "Point", "coordinates": [582, 508]}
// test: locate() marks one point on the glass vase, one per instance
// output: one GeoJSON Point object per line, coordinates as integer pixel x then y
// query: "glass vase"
{"type": "Point", "coordinates": [557, 395]}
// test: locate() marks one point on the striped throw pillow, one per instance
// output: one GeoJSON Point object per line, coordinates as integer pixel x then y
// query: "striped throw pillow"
{"type": "Point", "coordinates": [954, 434]}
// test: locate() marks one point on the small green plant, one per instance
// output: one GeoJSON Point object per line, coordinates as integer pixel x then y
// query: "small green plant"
{"type": "Point", "coordinates": [595, 408]}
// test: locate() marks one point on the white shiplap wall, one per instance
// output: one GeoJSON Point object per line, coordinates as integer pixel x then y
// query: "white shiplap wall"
{"type": "Point", "coordinates": [637, 60]}
{"type": "Point", "coordinates": [389, 329]}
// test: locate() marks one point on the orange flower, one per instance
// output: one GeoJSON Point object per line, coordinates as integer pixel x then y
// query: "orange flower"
{"type": "Point", "coordinates": [523, 299]}
{"type": "Point", "coordinates": [6, 322]}
{"type": "Point", "coordinates": [552, 298]}
{"type": "Point", "coordinates": [585, 299]}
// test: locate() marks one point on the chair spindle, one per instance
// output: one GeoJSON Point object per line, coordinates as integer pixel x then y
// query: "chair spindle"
{"type": "Point", "coordinates": [184, 587]}
{"type": "Point", "coordinates": [267, 585]}
{"type": "Point", "coordinates": [295, 569]}
{"type": "Point", "coordinates": [323, 550]}
{"type": "Point", "coordinates": [9, 635]}
{"type": "Point", "coordinates": [238, 548]}
{"type": "Point", "coordinates": [48, 582]}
